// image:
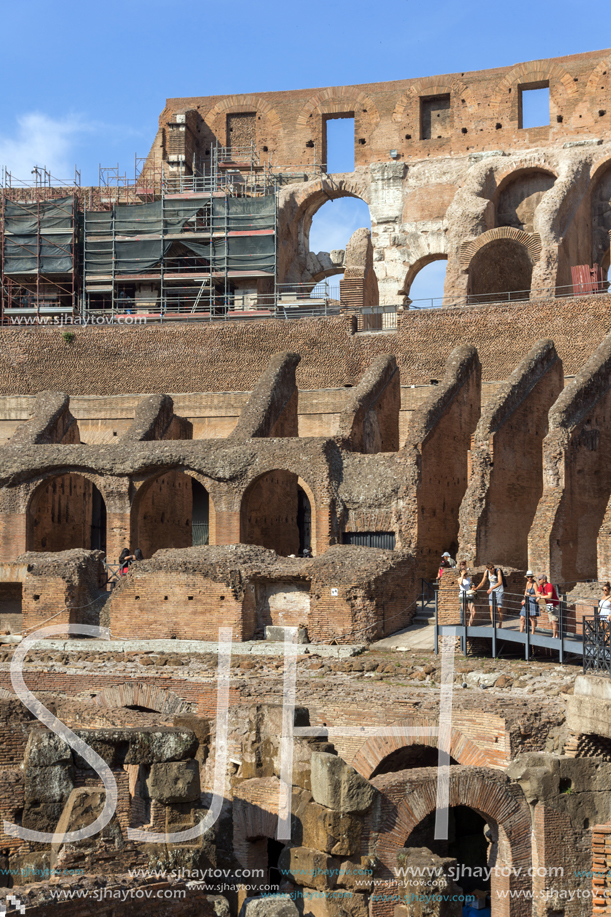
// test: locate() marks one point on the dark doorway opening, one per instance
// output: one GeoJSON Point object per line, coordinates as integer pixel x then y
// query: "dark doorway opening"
{"type": "Point", "coordinates": [200, 517]}
{"type": "Point", "coordinates": [98, 520]}
{"type": "Point", "coordinates": [274, 849]}
{"type": "Point", "coordinates": [468, 842]}
{"type": "Point", "coordinates": [304, 520]}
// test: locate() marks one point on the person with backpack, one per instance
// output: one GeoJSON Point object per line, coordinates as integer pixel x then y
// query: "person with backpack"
{"type": "Point", "coordinates": [495, 579]}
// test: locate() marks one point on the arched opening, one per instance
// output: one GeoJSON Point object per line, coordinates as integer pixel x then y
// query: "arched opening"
{"type": "Point", "coordinates": [278, 512]}
{"type": "Point", "coordinates": [269, 513]}
{"type": "Point", "coordinates": [469, 841]}
{"type": "Point", "coordinates": [200, 514]}
{"type": "Point", "coordinates": [519, 196]}
{"type": "Point", "coordinates": [601, 217]}
{"type": "Point", "coordinates": [66, 512]}
{"type": "Point", "coordinates": [172, 510]}
{"type": "Point", "coordinates": [407, 757]}
{"type": "Point", "coordinates": [425, 281]}
{"type": "Point", "coordinates": [304, 520]}
{"type": "Point", "coordinates": [328, 229]}
{"type": "Point", "coordinates": [500, 270]}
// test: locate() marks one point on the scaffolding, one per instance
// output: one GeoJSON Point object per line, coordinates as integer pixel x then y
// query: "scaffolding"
{"type": "Point", "coordinates": [39, 242]}
{"type": "Point", "coordinates": [204, 246]}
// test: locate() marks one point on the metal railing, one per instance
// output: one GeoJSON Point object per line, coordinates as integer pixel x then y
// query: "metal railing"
{"type": "Point", "coordinates": [509, 296]}
{"type": "Point", "coordinates": [559, 626]}
{"type": "Point", "coordinates": [597, 645]}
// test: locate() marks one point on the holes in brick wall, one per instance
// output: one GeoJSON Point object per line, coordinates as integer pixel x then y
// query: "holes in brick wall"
{"type": "Point", "coordinates": [362, 141]}
{"type": "Point", "coordinates": [114, 433]}
{"type": "Point", "coordinates": [498, 126]}
{"type": "Point", "coordinates": [559, 119]}
{"type": "Point", "coordinates": [137, 598]}
{"type": "Point", "coordinates": [464, 130]}
{"type": "Point", "coordinates": [408, 136]}
{"type": "Point", "coordinates": [601, 113]}
{"type": "Point", "coordinates": [565, 785]}
{"type": "Point", "coordinates": [36, 598]}
{"type": "Point", "coordinates": [265, 149]}
{"type": "Point", "coordinates": [310, 144]}
{"type": "Point", "coordinates": [222, 598]}
{"type": "Point", "coordinates": [165, 598]}
{"type": "Point", "coordinates": [189, 598]}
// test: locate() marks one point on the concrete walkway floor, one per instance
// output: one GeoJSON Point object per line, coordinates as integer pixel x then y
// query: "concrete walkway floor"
{"type": "Point", "coordinates": [415, 637]}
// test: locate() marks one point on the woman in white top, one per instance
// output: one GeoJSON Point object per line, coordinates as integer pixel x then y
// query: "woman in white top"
{"type": "Point", "coordinates": [604, 606]}
{"type": "Point", "coordinates": [466, 593]}
{"type": "Point", "coordinates": [494, 577]}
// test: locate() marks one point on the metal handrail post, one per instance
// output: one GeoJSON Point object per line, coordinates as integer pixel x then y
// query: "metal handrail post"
{"type": "Point", "coordinates": [493, 594]}
{"type": "Point", "coordinates": [527, 625]}
{"type": "Point", "coordinates": [436, 626]}
{"type": "Point", "coordinates": [561, 616]}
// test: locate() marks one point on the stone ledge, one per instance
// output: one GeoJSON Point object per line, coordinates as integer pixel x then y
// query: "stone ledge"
{"type": "Point", "coordinates": [252, 648]}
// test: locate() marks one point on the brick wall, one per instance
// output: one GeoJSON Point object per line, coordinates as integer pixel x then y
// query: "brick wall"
{"type": "Point", "coordinates": [108, 361]}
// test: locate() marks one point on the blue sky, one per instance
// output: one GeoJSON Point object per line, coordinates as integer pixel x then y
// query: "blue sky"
{"type": "Point", "coordinates": [85, 82]}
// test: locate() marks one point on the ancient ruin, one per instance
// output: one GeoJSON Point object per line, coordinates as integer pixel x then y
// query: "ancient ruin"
{"type": "Point", "coordinates": [278, 705]}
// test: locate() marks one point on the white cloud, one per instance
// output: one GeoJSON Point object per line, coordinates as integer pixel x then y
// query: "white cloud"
{"type": "Point", "coordinates": [41, 141]}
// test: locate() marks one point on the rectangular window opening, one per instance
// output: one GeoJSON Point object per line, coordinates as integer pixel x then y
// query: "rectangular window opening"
{"type": "Point", "coordinates": [10, 607]}
{"type": "Point", "coordinates": [339, 143]}
{"type": "Point", "coordinates": [435, 117]}
{"type": "Point", "coordinates": [534, 105]}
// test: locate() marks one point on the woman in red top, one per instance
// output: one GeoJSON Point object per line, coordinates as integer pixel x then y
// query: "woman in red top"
{"type": "Point", "coordinates": [548, 594]}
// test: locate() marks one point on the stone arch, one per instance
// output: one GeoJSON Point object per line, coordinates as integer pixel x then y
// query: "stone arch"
{"type": "Point", "coordinates": [331, 101]}
{"type": "Point", "coordinates": [176, 492]}
{"type": "Point", "coordinates": [415, 268]}
{"type": "Point", "coordinates": [562, 88]}
{"type": "Point", "coordinates": [377, 748]}
{"type": "Point", "coordinates": [268, 511]}
{"type": "Point", "coordinates": [215, 117]}
{"type": "Point", "coordinates": [311, 198]}
{"type": "Point", "coordinates": [518, 194]}
{"type": "Point", "coordinates": [531, 241]}
{"type": "Point", "coordinates": [600, 208]}
{"type": "Point", "coordinates": [598, 88]}
{"type": "Point", "coordinates": [407, 109]}
{"type": "Point", "coordinates": [69, 515]}
{"type": "Point", "coordinates": [409, 797]}
{"type": "Point", "coordinates": [136, 694]}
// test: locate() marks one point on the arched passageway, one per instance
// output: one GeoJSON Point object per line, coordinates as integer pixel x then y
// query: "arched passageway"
{"type": "Point", "coordinates": [409, 756]}
{"type": "Point", "coordinates": [277, 513]}
{"type": "Point", "coordinates": [424, 284]}
{"type": "Point", "coordinates": [65, 512]}
{"type": "Point", "coordinates": [333, 222]}
{"type": "Point", "coordinates": [172, 510]}
{"type": "Point", "coordinates": [469, 841]}
{"type": "Point", "coordinates": [502, 269]}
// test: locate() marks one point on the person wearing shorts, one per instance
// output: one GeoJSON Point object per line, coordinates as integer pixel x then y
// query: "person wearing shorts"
{"type": "Point", "coordinates": [466, 593]}
{"type": "Point", "coordinates": [547, 598]}
{"type": "Point", "coordinates": [604, 606]}
{"type": "Point", "coordinates": [529, 603]}
{"type": "Point", "coordinates": [493, 577]}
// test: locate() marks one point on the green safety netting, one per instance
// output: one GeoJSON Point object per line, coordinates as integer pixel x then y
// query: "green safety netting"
{"type": "Point", "coordinates": [38, 236]}
{"type": "Point", "coordinates": [138, 246]}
